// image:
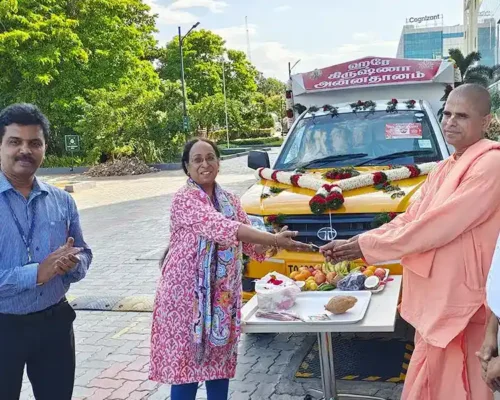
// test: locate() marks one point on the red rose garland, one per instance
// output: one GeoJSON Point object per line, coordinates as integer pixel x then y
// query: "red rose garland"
{"type": "Point", "coordinates": [414, 170]}
{"type": "Point", "coordinates": [295, 180]}
{"type": "Point", "coordinates": [379, 177]}
{"type": "Point", "coordinates": [330, 197]}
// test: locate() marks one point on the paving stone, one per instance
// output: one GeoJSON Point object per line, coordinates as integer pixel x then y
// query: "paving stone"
{"type": "Point", "coordinates": [106, 383]}
{"type": "Point", "coordinates": [264, 391]}
{"type": "Point", "coordinates": [125, 390]}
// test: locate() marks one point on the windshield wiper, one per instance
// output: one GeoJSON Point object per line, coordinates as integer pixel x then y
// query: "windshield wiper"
{"type": "Point", "coordinates": [328, 159]}
{"type": "Point", "coordinates": [392, 156]}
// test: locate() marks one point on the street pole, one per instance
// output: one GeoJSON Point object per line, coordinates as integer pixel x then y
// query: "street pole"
{"type": "Point", "coordinates": [184, 106]}
{"type": "Point", "coordinates": [225, 98]}
{"type": "Point", "coordinates": [183, 83]}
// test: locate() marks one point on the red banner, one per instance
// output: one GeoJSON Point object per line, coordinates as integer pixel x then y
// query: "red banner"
{"type": "Point", "coordinates": [371, 71]}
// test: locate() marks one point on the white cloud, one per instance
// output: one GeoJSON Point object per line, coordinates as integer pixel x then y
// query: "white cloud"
{"type": "Point", "coordinates": [215, 6]}
{"type": "Point", "coordinates": [272, 58]}
{"type": "Point", "coordinates": [174, 13]}
{"type": "Point", "coordinates": [282, 8]}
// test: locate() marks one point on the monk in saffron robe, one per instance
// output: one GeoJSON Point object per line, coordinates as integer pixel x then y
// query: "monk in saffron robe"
{"type": "Point", "coordinates": [445, 241]}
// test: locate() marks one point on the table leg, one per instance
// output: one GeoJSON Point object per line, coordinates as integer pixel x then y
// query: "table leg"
{"type": "Point", "coordinates": [328, 372]}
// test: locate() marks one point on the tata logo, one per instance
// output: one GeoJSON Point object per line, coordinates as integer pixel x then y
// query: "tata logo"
{"type": "Point", "coordinates": [327, 234]}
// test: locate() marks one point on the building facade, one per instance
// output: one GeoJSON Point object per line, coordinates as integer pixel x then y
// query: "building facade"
{"type": "Point", "coordinates": [433, 42]}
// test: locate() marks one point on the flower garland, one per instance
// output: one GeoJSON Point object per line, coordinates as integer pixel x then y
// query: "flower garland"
{"type": "Point", "coordinates": [330, 196]}
{"type": "Point", "coordinates": [392, 105]}
{"type": "Point", "coordinates": [363, 105]}
{"type": "Point", "coordinates": [340, 173]}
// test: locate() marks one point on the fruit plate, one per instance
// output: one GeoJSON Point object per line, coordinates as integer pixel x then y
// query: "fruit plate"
{"type": "Point", "coordinates": [379, 289]}
{"type": "Point", "coordinates": [310, 305]}
{"type": "Point", "coordinates": [382, 287]}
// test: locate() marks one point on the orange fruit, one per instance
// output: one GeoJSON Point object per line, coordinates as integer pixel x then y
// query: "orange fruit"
{"type": "Point", "coordinates": [306, 273]}
{"type": "Point", "coordinates": [372, 268]}
{"type": "Point", "coordinates": [301, 277]}
{"type": "Point", "coordinates": [294, 274]}
{"type": "Point", "coordinates": [301, 269]}
{"type": "Point", "coordinates": [368, 273]}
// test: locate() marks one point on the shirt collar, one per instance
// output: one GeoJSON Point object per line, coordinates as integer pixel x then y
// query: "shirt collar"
{"type": "Point", "coordinates": [38, 185]}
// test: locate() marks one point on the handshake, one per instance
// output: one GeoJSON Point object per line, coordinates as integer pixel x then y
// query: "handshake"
{"type": "Point", "coordinates": [342, 250]}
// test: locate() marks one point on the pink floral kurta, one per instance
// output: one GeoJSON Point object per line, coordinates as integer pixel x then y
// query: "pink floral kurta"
{"type": "Point", "coordinates": [173, 355]}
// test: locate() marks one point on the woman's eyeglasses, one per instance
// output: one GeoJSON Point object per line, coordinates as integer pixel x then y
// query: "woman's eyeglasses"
{"type": "Point", "coordinates": [210, 159]}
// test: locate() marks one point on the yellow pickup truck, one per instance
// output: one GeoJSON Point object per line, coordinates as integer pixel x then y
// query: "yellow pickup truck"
{"type": "Point", "coordinates": [341, 138]}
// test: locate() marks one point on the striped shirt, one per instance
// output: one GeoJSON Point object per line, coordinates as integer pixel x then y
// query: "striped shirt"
{"type": "Point", "coordinates": [56, 219]}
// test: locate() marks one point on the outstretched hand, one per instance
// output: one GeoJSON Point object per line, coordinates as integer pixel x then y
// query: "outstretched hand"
{"type": "Point", "coordinates": [285, 241]}
{"type": "Point", "coordinates": [342, 250]}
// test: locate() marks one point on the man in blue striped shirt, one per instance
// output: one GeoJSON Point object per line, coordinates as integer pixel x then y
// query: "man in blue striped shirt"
{"type": "Point", "coordinates": [42, 251]}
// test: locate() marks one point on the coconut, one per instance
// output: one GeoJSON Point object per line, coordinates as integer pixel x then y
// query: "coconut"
{"type": "Point", "coordinates": [372, 282]}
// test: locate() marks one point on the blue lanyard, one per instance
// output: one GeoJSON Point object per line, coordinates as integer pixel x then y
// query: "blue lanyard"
{"type": "Point", "coordinates": [27, 240]}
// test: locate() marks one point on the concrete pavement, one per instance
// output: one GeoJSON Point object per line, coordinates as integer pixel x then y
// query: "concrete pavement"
{"type": "Point", "coordinates": [125, 221]}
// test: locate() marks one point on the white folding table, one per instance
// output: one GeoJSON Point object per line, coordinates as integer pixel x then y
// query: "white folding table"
{"type": "Point", "coordinates": [380, 317]}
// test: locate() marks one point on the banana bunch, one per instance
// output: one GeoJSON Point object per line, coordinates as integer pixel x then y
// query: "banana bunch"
{"type": "Point", "coordinates": [343, 268]}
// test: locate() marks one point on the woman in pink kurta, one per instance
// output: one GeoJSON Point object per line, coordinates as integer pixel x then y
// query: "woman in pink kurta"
{"type": "Point", "coordinates": [196, 320]}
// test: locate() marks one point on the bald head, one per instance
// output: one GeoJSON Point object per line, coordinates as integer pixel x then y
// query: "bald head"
{"type": "Point", "coordinates": [466, 116]}
{"type": "Point", "coordinates": [476, 95]}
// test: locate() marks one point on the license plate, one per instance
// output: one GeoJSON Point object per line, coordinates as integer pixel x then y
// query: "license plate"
{"type": "Point", "coordinates": [295, 267]}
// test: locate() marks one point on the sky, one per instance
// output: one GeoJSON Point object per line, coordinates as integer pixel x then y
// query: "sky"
{"type": "Point", "coordinates": [319, 34]}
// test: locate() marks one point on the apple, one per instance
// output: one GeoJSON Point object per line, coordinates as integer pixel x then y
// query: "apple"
{"type": "Point", "coordinates": [315, 272]}
{"type": "Point", "coordinates": [379, 273]}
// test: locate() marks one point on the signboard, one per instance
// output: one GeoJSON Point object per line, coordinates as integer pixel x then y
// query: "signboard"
{"type": "Point", "coordinates": [72, 142]}
{"type": "Point", "coordinates": [425, 18]}
{"type": "Point", "coordinates": [371, 71]}
{"type": "Point", "coordinates": [403, 131]}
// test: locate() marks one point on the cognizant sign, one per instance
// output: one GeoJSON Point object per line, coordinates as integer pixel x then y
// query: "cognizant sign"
{"type": "Point", "coordinates": [418, 20]}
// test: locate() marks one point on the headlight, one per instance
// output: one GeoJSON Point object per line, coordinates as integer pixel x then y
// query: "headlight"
{"type": "Point", "coordinates": [258, 223]}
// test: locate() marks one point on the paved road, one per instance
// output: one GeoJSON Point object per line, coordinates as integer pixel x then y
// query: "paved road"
{"type": "Point", "coordinates": [125, 221]}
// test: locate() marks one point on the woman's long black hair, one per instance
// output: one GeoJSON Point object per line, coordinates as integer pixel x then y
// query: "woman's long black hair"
{"type": "Point", "coordinates": [185, 161]}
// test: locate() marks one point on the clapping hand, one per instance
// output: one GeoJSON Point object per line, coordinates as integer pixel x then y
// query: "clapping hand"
{"type": "Point", "coordinates": [60, 262]}
{"type": "Point", "coordinates": [342, 250]}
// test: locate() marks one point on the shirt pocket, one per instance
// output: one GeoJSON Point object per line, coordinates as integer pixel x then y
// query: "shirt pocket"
{"type": "Point", "coordinates": [58, 234]}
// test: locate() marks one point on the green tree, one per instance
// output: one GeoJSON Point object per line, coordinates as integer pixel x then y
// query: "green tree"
{"type": "Point", "coordinates": [57, 53]}
{"type": "Point", "coordinates": [270, 86]}
{"type": "Point", "coordinates": [472, 73]}
{"type": "Point", "coordinates": [203, 62]}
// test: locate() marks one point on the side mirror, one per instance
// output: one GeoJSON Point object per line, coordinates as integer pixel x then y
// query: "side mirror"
{"type": "Point", "coordinates": [258, 159]}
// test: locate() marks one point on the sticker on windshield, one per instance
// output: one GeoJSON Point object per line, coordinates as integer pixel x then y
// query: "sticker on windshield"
{"type": "Point", "coordinates": [403, 131]}
{"type": "Point", "coordinates": [425, 144]}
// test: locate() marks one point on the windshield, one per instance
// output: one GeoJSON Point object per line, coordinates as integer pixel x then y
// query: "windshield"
{"type": "Point", "coordinates": [377, 138]}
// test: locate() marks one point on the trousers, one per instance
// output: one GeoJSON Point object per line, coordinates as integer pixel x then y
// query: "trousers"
{"type": "Point", "coordinates": [216, 390]}
{"type": "Point", "coordinates": [44, 343]}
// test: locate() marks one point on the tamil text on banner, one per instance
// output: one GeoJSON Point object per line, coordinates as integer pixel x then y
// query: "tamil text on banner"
{"type": "Point", "coordinates": [371, 71]}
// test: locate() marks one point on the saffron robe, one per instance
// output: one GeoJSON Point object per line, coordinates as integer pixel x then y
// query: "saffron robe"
{"type": "Point", "coordinates": [446, 241]}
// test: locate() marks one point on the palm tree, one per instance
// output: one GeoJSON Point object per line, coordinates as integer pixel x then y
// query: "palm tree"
{"type": "Point", "coordinates": [480, 74]}
{"type": "Point", "coordinates": [470, 73]}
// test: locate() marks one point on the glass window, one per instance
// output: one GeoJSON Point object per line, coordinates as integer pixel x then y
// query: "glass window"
{"type": "Point", "coordinates": [423, 45]}
{"type": "Point", "coordinates": [366, 136]}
